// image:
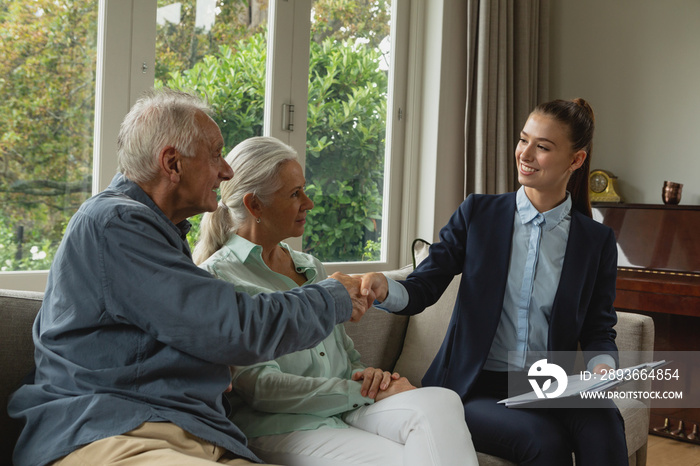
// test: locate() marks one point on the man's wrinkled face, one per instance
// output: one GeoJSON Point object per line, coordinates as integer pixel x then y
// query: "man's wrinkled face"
{"type": "Point", "coordinates": [203, 171]}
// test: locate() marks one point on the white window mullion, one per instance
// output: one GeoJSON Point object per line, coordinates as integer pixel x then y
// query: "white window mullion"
{"type": "Point", "coordinates": [125, 68]}
{"type": "Point", "coordinates": [413, 50]}
{"type": "Point", "coordinates": [396, 252]}
{"type": "Point", "coordinates": [289, 32]}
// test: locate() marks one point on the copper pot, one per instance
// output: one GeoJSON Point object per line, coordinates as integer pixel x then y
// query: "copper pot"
{"type": "Point", "coordinates": [671, 193]}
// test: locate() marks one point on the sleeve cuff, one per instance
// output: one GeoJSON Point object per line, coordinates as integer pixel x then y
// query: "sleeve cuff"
{"type": "Point", "coordinates": [356, 400]}
{"type": "Point", "coordinates": [601, 359]}
{"type": "Point", "coordinates": [340, 297]}
{"type": "Point", "coordinates": [396, 299]}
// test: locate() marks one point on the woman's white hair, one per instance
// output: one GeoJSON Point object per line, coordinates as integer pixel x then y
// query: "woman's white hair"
{"type": "Point", "coordinates": [159, 118]}
{"type": "Point", "coordinates": [256, 164]}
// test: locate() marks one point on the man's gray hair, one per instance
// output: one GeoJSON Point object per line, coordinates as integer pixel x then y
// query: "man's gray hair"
{"type": "Point", "coordinates": [160, 118]}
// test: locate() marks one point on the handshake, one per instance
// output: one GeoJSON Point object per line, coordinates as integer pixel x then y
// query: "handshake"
{"type": "Point", "coordinates": [363, 290]}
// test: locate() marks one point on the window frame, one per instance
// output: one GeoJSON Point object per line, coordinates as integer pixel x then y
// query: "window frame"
{"type": "Point", "coordinates": [287, 83]}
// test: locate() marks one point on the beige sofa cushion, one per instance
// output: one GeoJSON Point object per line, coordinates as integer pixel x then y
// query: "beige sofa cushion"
{"type": "Point", "coordinates": [378, 336]}
{"type": "Point", "coordinates": [426, 330]}
{"type": "Point", "coordinates": [424, 335]}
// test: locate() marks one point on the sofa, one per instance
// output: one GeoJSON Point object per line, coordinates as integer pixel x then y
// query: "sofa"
{"type": "Point", "coordinates": [406, 345]}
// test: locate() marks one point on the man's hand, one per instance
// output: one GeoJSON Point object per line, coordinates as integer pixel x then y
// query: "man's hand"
{"type": "Point", "coordinates": [360, 301]}
{"type": "Point", "coordinates": [396, 386]}
{"type": "Point", "coordinates": [376, 283]}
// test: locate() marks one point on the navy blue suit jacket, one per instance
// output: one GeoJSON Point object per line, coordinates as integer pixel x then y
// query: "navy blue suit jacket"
{"type": "Point", "coordinates": [476, 242]}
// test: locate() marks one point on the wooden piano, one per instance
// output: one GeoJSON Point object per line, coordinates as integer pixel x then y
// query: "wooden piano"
{"type": "Point", "coordinates": [659, 275]}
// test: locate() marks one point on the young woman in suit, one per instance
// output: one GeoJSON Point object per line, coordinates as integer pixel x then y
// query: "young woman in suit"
{"type": "Point", "coordinates": [538, 279]}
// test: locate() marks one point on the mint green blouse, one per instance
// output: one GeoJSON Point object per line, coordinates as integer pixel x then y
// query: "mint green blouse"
{"type": "Point", "coordinates": [299, 391]}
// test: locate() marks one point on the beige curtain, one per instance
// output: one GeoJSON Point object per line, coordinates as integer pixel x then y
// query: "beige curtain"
{"type": "Point", "coordinates": [507, 76]}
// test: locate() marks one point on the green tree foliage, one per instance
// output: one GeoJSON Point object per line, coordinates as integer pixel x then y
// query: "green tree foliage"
{"type": "Point", "coordinates": [345, 149]}
{"type": "Point", "coordinates": [180, 46]}
{"type": "Point", "coordinates": [46, 118]}
{"type": "Point", "coordinates": [346, 129]}
{"type": "Point", "coordinates": [344, 20]}
{"type": "Point", "coordinates": [234, 85]}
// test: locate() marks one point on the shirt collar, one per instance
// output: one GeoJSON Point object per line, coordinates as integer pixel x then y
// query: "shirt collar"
{"type": "Point", "coordinates": [244, 250]}
{"type": "Point", "coordinates": [124, 185]}
{"type": "Point", "coordinates": [527, 212]}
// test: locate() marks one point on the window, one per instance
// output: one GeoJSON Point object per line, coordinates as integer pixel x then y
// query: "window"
{"type": "Point", "coordinates": [350, 53]}
{"type": "Point", "coordinates": [132, 44]}
{"type": "Point", "coordinates": [46, 124]}
{"type": "Point", "coordinates": [346, 96]}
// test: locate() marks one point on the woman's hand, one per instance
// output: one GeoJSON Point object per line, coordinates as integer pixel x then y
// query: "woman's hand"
{"type": "Point", "coordinates": [374, 381]}
{"type": "Point", "coordinates": [398, 385]}
{"type": "Point", "coordinates": [602, 369]}
{"type": "Point", "coordinates": [375, 283]}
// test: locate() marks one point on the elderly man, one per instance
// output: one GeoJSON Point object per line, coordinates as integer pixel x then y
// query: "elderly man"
{"type": "Point", "coordinates": [133, 341]}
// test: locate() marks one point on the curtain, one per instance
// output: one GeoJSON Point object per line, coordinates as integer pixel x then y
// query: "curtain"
{"type": "Point", "coordinates": [507, 76]}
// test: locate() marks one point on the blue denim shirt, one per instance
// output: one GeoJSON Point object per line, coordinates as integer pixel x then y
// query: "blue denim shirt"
{"type": "Point", "coordinates": [132, 331]}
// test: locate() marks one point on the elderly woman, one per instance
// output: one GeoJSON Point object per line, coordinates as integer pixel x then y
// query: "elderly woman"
{"type": "Point", "coordinates": [319, 406]}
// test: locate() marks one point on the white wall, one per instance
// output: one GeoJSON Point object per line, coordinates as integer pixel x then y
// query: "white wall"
{"type": "Point", "coordinates": [638, 63]}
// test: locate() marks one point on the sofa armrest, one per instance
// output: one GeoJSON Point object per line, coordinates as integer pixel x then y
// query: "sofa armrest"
{"type": "Point", "coordinates": [635, 332]}
{"type": "Point", "coordinates": [17, 312]}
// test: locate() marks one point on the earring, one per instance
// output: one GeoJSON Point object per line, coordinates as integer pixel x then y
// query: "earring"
{"type": "Point", "coordinates": [257, 220]}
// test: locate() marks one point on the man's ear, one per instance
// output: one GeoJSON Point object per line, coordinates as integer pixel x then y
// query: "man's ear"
{"type": "Point", "coordinates": [252, 203]}
{"type": "Point", "coordinates": [170, 161]}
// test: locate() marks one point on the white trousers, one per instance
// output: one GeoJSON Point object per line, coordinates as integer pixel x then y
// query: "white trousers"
{"type": "Point", "coordinates": [419, 427]}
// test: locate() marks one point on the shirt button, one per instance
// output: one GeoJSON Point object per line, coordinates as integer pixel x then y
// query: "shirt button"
{"type": "Point", "coordinates": [366, 404]}
{"type": "Point", "coordinates": [322, 353]}
{"type": "Point", "coordinates": [298, 269]}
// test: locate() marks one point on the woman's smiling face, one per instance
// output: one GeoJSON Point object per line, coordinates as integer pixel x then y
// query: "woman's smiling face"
{"type": "Point", "coordinates": [544, 157]}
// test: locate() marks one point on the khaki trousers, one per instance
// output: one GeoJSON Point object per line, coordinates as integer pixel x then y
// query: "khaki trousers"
{"type": "Point", "coordinates": [151, 443]}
